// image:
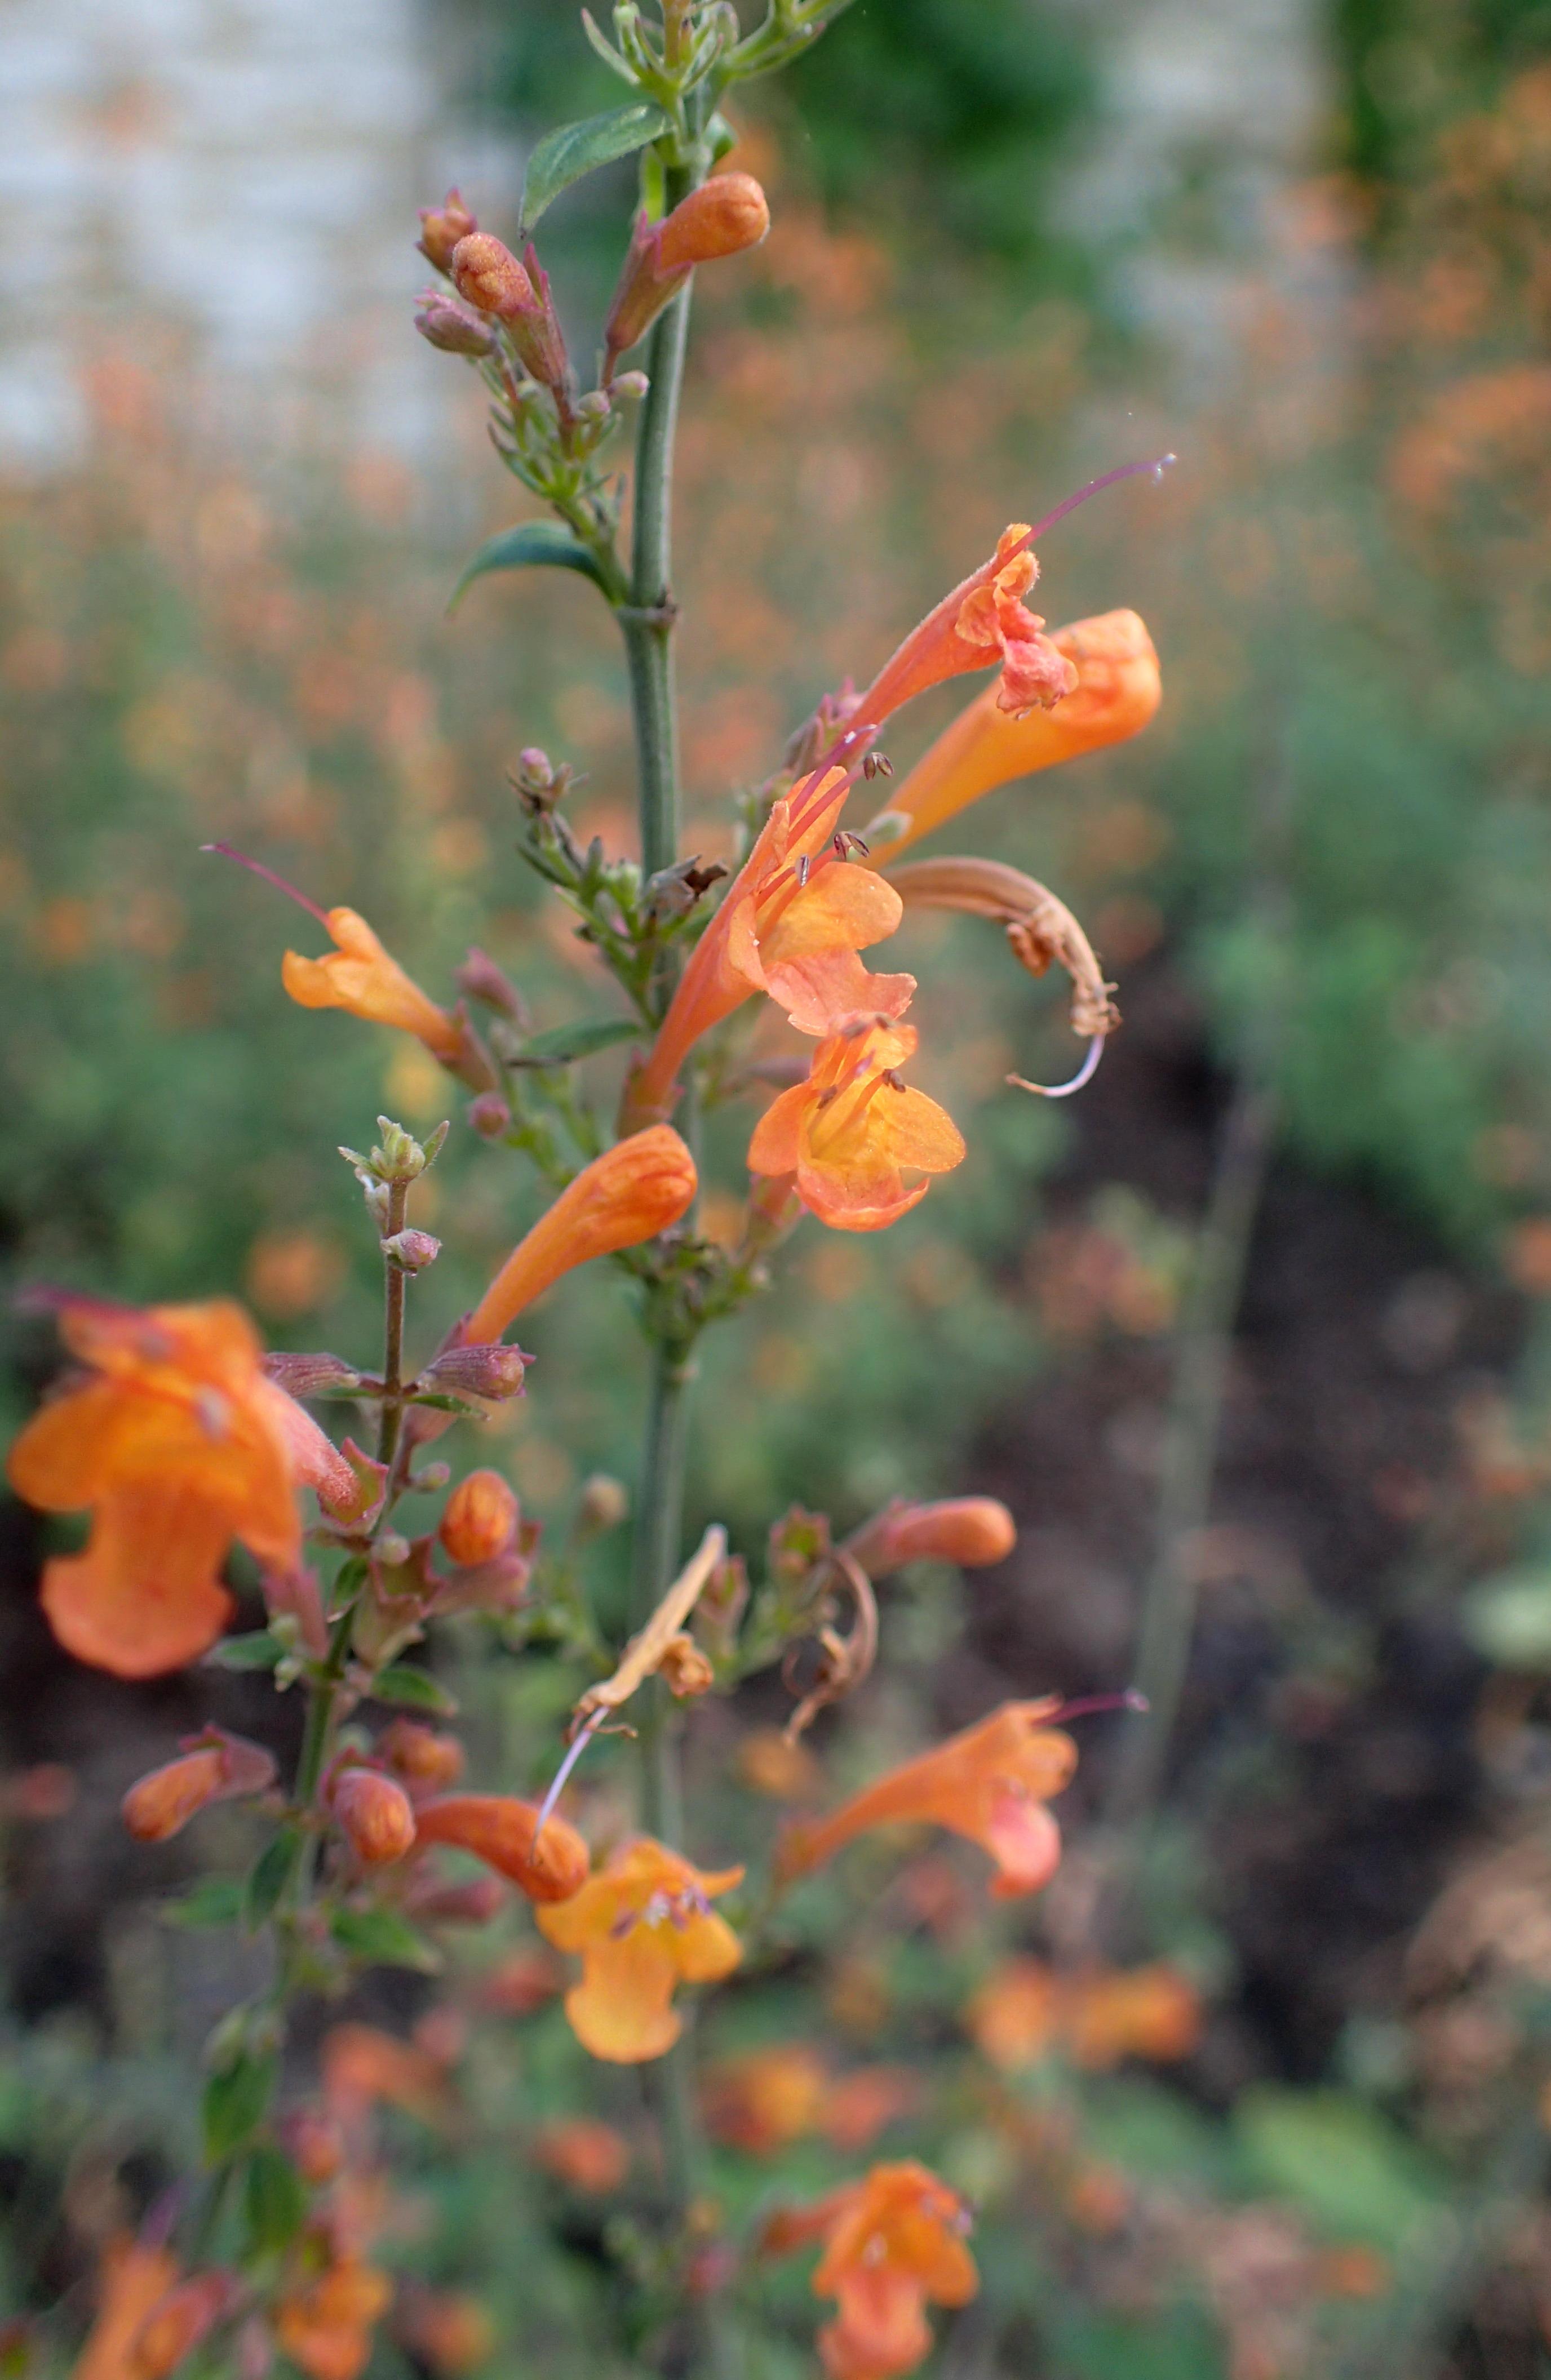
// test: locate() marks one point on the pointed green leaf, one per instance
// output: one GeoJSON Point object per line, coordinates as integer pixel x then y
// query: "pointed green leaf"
{"type": "Point", "coordinates": [236, 2102]}
{"type": "Point", "coordinates": [260, 1651]}
{"type": "Point", "coordinates": [534, 545]}
{"type": "Point", "coordinates": [564, 1042]}
{"type": "Point", "coordinates": [409, 1688]}
{"type": "Point", "coordinates": [563, 155]}
{"type": "Point", "coordinates": [215, 1901]}
{"type": "Point", "coordinates": [385, 1938]}
{"type": "Point", "coordinates": [274, 2200]}
{"type": "Point", "coordinates": [268, 1878]}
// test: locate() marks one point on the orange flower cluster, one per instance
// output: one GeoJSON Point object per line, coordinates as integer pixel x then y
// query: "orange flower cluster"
{"type": "Point", "coordinates": [1097, 2017]}
{"type": "Point", "coordinates": [990, 1783]}
{"type": "Point", "coordinates": [893, 2244]}
{"type": "Point", "coordinates": [762, 2102]}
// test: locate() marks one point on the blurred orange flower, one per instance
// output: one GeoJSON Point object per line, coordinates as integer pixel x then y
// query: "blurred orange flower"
{"type": "Point", "coordinates": [325, 2326]}
{"type": "Point", "coordinates": [643, 1926]}
{"type": "Point", "coordinates": [547, 1864]}
{"type": "Point", "coordinates": [990, 1783]}
{"type": "Point", "coordinates": [583, 2153]}
{"type": "Point", "coordinates": [172, 1441]}
{"type": "Point", "coordinates": [134, 2280]}
{"type": "Point", "coordinates": [893, 2243]}
{"type": "Point", "coordinates": [1116, 692]}
{"type": "Point", "coordinates": [361, 2064]}
{"type": "Point", "coordinates": [969, 1530]}
{"type": "Point", "coordinates": [763, 2101]}
{"type": "Point", "coordinates": [360, 977]}
{"type": "Point", "coordinates": [1098, 2016]}
{"type": "Point", "coordinates": [632, 1191]}
{"type": "Point", "coordinates": [850, 1132]}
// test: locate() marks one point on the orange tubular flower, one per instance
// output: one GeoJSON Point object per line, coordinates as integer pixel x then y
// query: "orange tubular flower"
{"type": "Point", "coordinates": [360, 977]}
{"type": "Point", "coordinates": [172, 1442]}
{"type": "Point", "coordinates": [969, 1530]}
{"type": "Point", "coordinates": [847, 1135]}
{"type": "Point", "coordinates": [1118, 690]}
{"type": "Point", "coordinates": [503, 1832]}
{"type": "Point", "coordinates": [1152, 2012]}
{"type": "Point", "coordinates": [134, 2281]}
{"type": "Point", "coordinates": [983, 620]}
{"type": "Point", "coordinates": [214, 1766]}
{"type": "Point", "coordinates": [179, 2321]}
{"type": "Point", "coordinates": [325, 2327]}
{"type": "Point", "coordinates": [641, 1927]}
{"type": "Point", "coordinates": [762, 2102]}
{"type": "Point", "coordinates": [632, 1191]}
{"type": "Point", "coordinates": [793, 919]}
{"type": "Point", "coordinates": [989, 1784]}
{"type": "Point", "coordinates": [894, 2242]}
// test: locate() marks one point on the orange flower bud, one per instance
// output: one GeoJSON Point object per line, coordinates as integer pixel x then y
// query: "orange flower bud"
{"type": "Point", "coordinates": [315, 2144]}
{"type": "Point", "coordinates": [450, 2332]}
{"type": "Point", "coordinates": [970, 1530]}
{"type": "Point", "coordinates": [420, 1756]}
{"type": "Point", "coordinates": [174, 2328]}
{"type": "Point", "coordinates": [488, 276]}
{"type": "Point", "coordinates": [632, 1191]}
{"type": "Point", "coordinates": [375, 1816]}
{"type": "Point", "coordinates": [481, 1518]}
{"type": "Point", "coordinates": [442, 228]}
{"type": "Point", "coordinates": [503, 1832]}
{"type": "Point", "coordinates": [214, 1766]}
{"type": "Point", "coordinates": [723, 216]}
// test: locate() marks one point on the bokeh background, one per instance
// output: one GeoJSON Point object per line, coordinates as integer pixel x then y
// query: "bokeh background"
{"type": "Point", "coordinates": [1251, 1337]}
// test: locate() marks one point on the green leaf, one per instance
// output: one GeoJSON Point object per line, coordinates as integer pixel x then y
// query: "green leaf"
{"type": "Point", "coordinates": [260, 1651]}
{"type": "Point", "coordinates": [563, 155]}
{"type": "Point", "coordinates": [409, 1688]}
{"type": "Point", "coordinates": [236, 2102]}
{"type": "Point", "coordinates": [268, 1878]}
{"type": "Point", "coordinates": [563, 1043]}
{"type": "Point", "coordinates": [1354, 2175]}
{"type": "Point", "coordinates": [533, 545]}
{"type": "Point", "coordinates": [274, 2200]}
{"type": "Point", "coordinates": [215, 1901]}
{"type": "Point", "coordinates": [1508, 1618]}
{"type": "Point", "coordinates": [382, 1938]}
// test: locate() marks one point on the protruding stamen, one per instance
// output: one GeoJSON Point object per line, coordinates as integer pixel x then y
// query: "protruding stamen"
{"type": "Point", "coordinates": [546, 1807]}
{"type": "Point", "coordinates": [257, 868]}
{"type": "Point", "coordinates": [1084, 1073]}
{"type": "Point", "coordinates": [1155, 468]}
{"type": "Point", "coordinates": [1132, 1699]}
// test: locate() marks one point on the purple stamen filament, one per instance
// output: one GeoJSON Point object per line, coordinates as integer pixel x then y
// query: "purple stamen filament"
{"type": "Point", "coordinates": [1157, 467]}
{"type": "Point", "coordinates": [546, 1807]}
{"type": "Point", "coordinates": [1131, 1700]}
{"type": "Point", "coordinates": [1083, 1076]}
{"type": "Point", "coordinates": [257, 868]}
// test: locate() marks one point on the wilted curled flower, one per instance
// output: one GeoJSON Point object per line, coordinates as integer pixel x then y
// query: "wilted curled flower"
{"type": "Point", "coordinates": [212, 1767]}
{"type": "Point", "coordinates": [989, 1784]}
{"type": "Point", "coordinates": [360, 977]}
{"type": "Point", "coordinates": [849, 1135]}
{"type": "Point", "coordinates": [1118, 691]}
{"type": "Point", "coordinates": [548, 1863]}
{"type": "Point", "coordinates": [654, 1647]}
{"type": "Point", "coordinates": [172, 1439]}
{"type": "Point", "coordinates": [969, 1530]}
{"type": "Point", "coordinates": [643, 1926]}
{"type": "Point", "coordinates": [726, 216]}
{"type": "Point", "coordinates": [630, 1193]}
{"type": "Point", "coordinates": [893, 2243]}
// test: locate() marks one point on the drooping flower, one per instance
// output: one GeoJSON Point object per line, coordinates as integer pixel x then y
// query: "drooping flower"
{"type": "Point", "coordinates": [1118, 691]}
{"type": "Point", "coordinates": [547, 1863]}
{"type": "Point", "coordinates": [893, 2244]}
{"type": "Point", "coordinates": [969, 1530]}
{"type": "Point", "coordinates": [212, 1767]}
{"type": "Point", "coordinates": [849, 1135]}
{"type": "Point", "coordinates": [172, 1441]}
{"type": "Point", "coordinates": [643, 1926]}
{"type": "Point", "coordinates": [359, 976]}
{"type": "Point", "coordinates": [632, 1191]}
{"type": "Point", "coordinates": [791, 925]}
{"type": "Point", "coordinates": [989, 1784]}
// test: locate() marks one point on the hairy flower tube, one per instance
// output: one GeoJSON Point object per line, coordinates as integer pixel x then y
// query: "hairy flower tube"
{"type": "Point", "coordinates": [893, 2243]}
{"type": "Point", "coordinates": [359, 976]}
{"type": "Point", "coordinates": [630, 1193]}
{"type": "Point", "coordinates": [643, 1926]}
{"type": "Point", "coordinates": [969, 1530]}
{"type": "Point", "coordinates": [848, 1134]}
{"type": "Point", "coordinates": [791, 923]}
{"type": "Point", "coordinates": [1118, 691]}
{"type": "Point", "coordinates": [726, 216]}
{"type": "Point", "coordinates": [548, 1863]}
{"type": "Point", "coordinates": [989, 1784]}
{"type": "Point", "coordinates": [172, 1441]}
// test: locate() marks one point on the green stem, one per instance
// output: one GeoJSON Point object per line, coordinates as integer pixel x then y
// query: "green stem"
{"type": "Point", "coordinates": [659, 1536]}
{"type": "Point", "coordinates": [393, 1285]}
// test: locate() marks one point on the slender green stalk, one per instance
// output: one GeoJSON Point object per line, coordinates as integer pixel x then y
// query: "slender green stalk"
{"type": "Point", "coordinates": [393, 1285]}
{"type": "Point", "coordinates": [659, 1528]}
